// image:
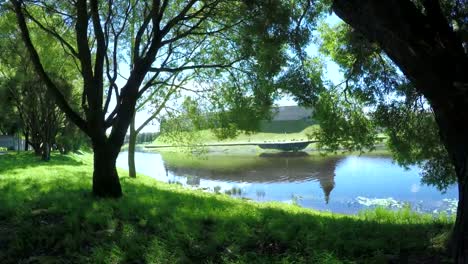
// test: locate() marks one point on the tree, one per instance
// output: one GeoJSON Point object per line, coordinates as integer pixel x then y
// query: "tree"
{"type": "Point", "coordinates": [9, 120]}
{"type": "Point", "coordinates": [99, 28]}
{"type": "Point", "coordinates": [38, 115]}
{"type": "Point", "coordinates": [158, 97]}
{"type": "Point", "coordinates": [234, 65]}
{"type": "Point", "coordinates": [166, 32]}
{"type": "Point", "coordinates": [427, 41]}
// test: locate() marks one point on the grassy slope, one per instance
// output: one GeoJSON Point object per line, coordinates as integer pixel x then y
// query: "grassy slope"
{"type": "Point", "coordinates": [207, 137]}
{"type": "Point", "coordinates": [47, 215]}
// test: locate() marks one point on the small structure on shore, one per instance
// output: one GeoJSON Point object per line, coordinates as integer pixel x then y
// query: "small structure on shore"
{"type": "Point", "coordinates": [11, 142]}
{"type": "Point", "coordinates": [286, 146]}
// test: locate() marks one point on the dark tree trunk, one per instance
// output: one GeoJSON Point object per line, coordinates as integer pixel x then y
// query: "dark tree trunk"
{"type": "Point", "coordinates": [131, 150]}
{"type": "Point", "coordinates": [37, 149]}
{"type": "Point", "coordinates": [105, 178]}
{"type": "Point", "coordinates": [131, 157]}
{"type": "Point", "coordinates": [453, 128]}
{"type": "Point", "coordinates": [26, 141]}
{"type": "Point", "coordinates": [45, 151]}
{"type": "Point", "coordinates": [432, 57]}
{"type": "Point", "coordinates": [460, 233]}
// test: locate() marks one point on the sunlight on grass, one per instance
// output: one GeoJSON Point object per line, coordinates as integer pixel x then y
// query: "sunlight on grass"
{"type": "Point", "coordinates": [208, 137]}
{"type": "Point", "coordinates": [49, 214]}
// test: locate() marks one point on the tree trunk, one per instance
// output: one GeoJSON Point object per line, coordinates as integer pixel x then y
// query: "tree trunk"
{"type": "Point", "coordinates": [37, 149]}
{"type": "Point", "coordinates": [131, 158]}
{"type": "Point", "coordinates": [105, 178]}
{"type": "Point", "coordinates": [453, 129]}
{"type": "Point", "coordinates": [26, 141]}
{"type": "Point", "coordinates": [431, 55]}
{"type": "Point", "coordinates": [45, 155]}
{"type": "Point", "coordinates": [131, 150]}
{"type": "Point", "coordinates": [459, 243]}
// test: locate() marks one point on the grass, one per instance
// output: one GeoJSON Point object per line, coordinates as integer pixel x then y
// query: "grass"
{"type": "Point", "coordinates": [208, 137]}
{"type": "Point", "coordinates": [47, 215]}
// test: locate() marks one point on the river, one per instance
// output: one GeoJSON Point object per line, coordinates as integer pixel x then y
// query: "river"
{"type": "Point", "coordinates": [343, 184]}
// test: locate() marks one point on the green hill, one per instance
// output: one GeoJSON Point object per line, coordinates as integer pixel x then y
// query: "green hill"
{"type": "Point", "coordinates": [208, 137]}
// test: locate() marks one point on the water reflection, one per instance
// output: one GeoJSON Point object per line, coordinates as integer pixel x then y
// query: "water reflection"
{"type": "Point", "coordinates": [343, 184]}
{"type": "Point", "coordinates": [267, 169]}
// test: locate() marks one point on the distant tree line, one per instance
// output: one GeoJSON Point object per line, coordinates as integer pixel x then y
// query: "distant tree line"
{"type": "Point", "coordinates": [144, 137]}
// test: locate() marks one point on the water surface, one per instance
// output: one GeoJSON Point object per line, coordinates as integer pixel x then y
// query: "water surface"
{"type": "Point", "coordinates": [344, 184]}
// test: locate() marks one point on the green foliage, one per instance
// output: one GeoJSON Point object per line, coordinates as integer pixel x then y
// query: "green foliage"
{"type": "Point", "coordinates": [71, 139]}
{"type": "Point", "coordinates": [343, 124]}
{"type": "Point", "coordinates": [303, 80]}
{"type": "Point", "coordinates": [183, 128]}
{"type": "Point", "coordinates": [236, 111]}
{"type": "Point", "coordinates": [375, 97]}
{"type": "Point", "coordinates": [48, 208]}
{"type": "Point", "coordinates": [145, 137]}
{"type": "Point", "coordinates": [413, 137]}
{"type": "Point", "coordinates": [269, 45]}
{"type": "Point", "coordinates": [10, 122]}
{"type": "Point", "coordinates": [30, 104]}
{"type": "Point", "coordinates": [207, 136]}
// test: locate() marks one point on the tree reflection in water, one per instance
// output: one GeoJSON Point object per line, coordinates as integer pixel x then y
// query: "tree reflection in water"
{"type": "Point", "coordinates": [292, 167]}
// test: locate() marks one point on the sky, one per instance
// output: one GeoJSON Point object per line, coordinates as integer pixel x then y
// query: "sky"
{"type": "Point", "coordinates": [331, 73]}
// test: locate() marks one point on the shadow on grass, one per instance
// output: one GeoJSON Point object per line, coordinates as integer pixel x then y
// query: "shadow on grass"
{"type": "Point", "coordinates": [55, 219]}
{"type": "Point", "coordinates": [12, 160]}
{"type": "Point", "coordinates": [153, 225]}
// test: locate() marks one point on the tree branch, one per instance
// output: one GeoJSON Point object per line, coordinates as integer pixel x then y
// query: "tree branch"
{"type": "Point", "coordinates": [52, 33]}
{"type": "Point", "coordinates": [192, 67]}
{"type": "Point", "coordinates": [59, 98]}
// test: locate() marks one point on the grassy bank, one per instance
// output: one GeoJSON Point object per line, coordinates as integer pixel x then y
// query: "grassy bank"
{"type": "Point", "coordinates": [47, 215]}
{"type": "Point", "coordinates": [206, 137]}
{"type": "Point", "coordinates": [165, 143]}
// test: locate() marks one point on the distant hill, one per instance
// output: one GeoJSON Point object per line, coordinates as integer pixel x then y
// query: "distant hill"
{"type": "Point", "coordinates": [288, 119]}
{"type": "Point", "coordinates": [290, 113]}
{"type": "Point", "coordinates": [285, 119]}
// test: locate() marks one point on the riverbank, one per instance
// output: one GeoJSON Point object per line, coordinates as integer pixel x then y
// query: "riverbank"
{"type": "Point", "coordinates": [205, 141]}
{"type": "Point", "coordinates": [339, 183]}
{"type": "Point", "coordinates": [49, 216]}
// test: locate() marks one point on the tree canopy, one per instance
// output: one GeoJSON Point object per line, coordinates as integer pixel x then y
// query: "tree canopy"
{"type": "Point", "coordinates": [404, 64]}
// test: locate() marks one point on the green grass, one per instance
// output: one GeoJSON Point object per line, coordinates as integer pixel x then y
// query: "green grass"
{"type": "Point", "coordinates": [47, 215]}
{"type": "Point", "coordinates": [208, 137]}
